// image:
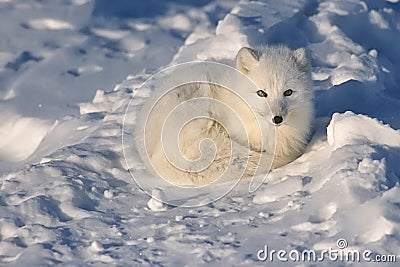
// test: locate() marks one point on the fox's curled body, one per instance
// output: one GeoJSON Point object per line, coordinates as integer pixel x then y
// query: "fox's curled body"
{"type": "Point", "coordinates": [281, 105]}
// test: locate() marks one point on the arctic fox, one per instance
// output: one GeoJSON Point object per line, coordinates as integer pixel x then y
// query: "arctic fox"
{"type": "Point", "coordinates": [283, 108]}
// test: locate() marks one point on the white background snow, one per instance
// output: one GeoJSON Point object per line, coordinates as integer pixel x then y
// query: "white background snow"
{"type": "Point", "coordinates": [68, 69]}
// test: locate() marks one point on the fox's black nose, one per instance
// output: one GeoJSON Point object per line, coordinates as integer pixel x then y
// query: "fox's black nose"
{"type": "Point", "coordinates": [277, 119]}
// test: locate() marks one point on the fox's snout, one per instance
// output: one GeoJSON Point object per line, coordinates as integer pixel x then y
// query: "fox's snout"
{"type": "Point", "coordinates": [278, 111]}
{"type": "Point", "coordinates": [277, 120]}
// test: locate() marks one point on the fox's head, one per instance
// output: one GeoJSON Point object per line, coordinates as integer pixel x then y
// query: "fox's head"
{"type": "Point", "coordinates": [283, 79]}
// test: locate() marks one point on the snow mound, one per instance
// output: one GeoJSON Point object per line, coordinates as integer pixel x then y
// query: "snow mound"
{"type": "Point", "coordinates": [20, 136]}
{"type": "Point", "coordinates": [157, 200]}
{"type": "Point", "coordinates": [349, 128]}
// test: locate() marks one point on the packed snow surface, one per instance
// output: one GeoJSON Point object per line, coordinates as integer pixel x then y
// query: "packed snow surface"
{"type": "Point", "coordinates": [69, 69]}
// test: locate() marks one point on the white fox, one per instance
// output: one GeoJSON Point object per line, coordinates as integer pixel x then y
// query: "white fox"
{"type": "Point", "coordinates": [280, 103]}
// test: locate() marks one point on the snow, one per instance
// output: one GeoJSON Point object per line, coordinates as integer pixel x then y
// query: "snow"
{"type": "Point", "coordinates": [49, 24]}
{"type": "Point", "coordinates": [157, 201]}
{"type": "Point", "coordinates": [70, 68]}
{"type": "Point", "coordinates": [341, 131]}
{"type": "Point", "coordinates": [16, 144]}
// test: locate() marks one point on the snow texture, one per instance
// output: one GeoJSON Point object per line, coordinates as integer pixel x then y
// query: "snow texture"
{"type": "Point", "coordinates": [68, 69]}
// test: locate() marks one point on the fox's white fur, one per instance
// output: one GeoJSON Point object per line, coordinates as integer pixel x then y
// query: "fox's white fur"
{"type": "Point", "coordinates": [274, 70]}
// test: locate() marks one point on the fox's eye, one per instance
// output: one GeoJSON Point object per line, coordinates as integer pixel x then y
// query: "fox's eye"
{"type": "Point", "coordinates": [262, 93]}
{"type": "Point", "coordinates": [288, 92]}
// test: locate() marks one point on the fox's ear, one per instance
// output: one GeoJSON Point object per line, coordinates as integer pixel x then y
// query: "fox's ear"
{"type": "Point", "coordinates": [301, 57]}
{"type": "Point", "coordinates": [246, 59]}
